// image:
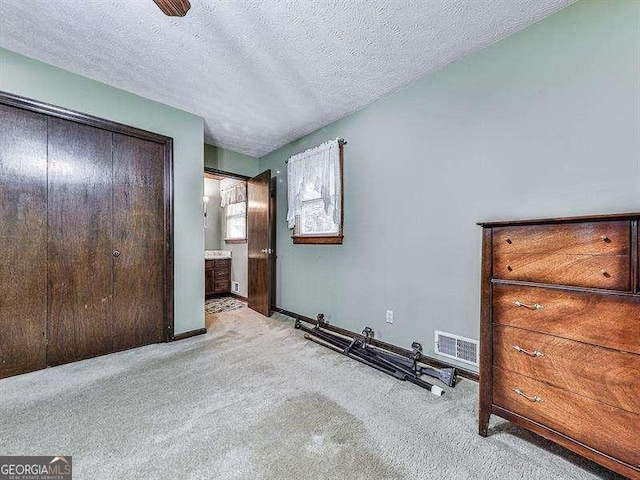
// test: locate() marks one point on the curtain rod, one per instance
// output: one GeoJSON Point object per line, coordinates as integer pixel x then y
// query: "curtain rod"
{"type": "Point", "coordinates": [341, 142]}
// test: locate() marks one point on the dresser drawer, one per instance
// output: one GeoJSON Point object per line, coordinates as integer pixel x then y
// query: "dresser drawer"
{"type": "Point", "coordinates": [590, 238]}
{"type": "Point", "coordinates": [608, 429]}
{"type": "Point", "coordinates": [592, 271]}
{"type": "Point", "coordinates": [608, 320]}
{"type": "Point", "coordinates": [606, 375]}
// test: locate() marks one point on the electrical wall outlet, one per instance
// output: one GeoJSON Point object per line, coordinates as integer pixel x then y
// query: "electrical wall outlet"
{"type": "Point", "coordinates": [389, 316]}
{"type": "Point", "coordinates": [235, 287]}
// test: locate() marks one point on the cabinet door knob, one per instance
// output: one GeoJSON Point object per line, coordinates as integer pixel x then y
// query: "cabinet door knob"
{"type": "Point", "coordinates": [116, 253]}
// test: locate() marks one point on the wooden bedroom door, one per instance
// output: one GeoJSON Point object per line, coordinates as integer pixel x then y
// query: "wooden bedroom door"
{"type": "Point", "coordinates": [259, 226]}
{"type": "Point", "coordinates": [23, 240]}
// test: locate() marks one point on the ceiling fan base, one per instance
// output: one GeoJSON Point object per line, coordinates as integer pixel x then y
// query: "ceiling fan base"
{"type": "Point", "coordinates": [174, 8]}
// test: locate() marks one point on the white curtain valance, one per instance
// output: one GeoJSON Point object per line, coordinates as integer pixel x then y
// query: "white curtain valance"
{"type": "Point", "coordinates": [236, 193]}
{"type": "Point", "coordinates": [315, 173]}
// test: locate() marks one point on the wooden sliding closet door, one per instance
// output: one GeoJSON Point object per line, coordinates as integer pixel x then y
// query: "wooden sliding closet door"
{"type": "Point", "coordinates": [23, 240]}
{"type": "Point", "coordinates": [86, 223]}
{"type": "Point", "coordinates": [138, 235]}
{"type": "Point", "coordinates": [80, 242]}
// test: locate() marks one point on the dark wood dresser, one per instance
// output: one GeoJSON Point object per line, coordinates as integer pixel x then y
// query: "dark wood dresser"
{"type": "Point", "coordinates": [217, 276]}
{"type": "Point", "coordinates": [560, 333]}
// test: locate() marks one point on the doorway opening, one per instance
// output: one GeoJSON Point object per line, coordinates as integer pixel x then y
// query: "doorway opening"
{"type": "Point", "coordinates": [239, 247]}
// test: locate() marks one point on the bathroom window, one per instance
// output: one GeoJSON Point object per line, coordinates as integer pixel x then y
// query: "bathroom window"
{"type": "Point", "coordinates": [236, 223]}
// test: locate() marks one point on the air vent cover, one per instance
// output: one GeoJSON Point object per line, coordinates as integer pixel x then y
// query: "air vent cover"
{"type": "Point", "coordinates": [454, 346]}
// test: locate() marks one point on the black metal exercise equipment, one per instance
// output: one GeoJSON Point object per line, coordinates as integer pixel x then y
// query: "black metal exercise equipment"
{"type": "Point", "coordinates": [360, 349]}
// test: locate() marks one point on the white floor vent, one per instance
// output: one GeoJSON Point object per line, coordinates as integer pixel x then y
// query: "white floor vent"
{"type": "Point", "coordinates": [460, 348]}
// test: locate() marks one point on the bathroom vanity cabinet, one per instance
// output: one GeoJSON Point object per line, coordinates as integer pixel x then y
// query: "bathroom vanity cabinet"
{"type": "Point", "coordinates": [217, 276]}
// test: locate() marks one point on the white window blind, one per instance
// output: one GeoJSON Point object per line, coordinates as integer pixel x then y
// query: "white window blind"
{"type": "Point", "coordinates": [314, 191]}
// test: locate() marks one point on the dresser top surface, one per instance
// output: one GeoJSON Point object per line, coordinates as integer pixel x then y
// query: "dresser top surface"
{"type": "Point", "coordinates": [547, 221]}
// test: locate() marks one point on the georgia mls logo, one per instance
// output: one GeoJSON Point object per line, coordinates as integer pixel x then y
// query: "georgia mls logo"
{"type": "Point", "coordinates": [35, 468]}
{"type": "Point", "coordinates": [62, 465]}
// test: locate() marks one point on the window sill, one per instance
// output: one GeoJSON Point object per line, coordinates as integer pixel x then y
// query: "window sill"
{"type": "Point", "coordinates": [318, 240]}
{"type": "Point", "coordinates": [235, 241]}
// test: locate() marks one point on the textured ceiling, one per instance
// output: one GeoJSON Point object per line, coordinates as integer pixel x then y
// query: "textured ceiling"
{"type": "Point", "coordinates": [262, 72]}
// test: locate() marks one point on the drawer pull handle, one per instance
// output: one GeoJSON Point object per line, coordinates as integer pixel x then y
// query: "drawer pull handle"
{"type": "Point", "coordinates": [605, 273]}
{"type": "Point", "coordinates": [605, 239]}
{"type": "Point", "coordinates": [535, 306]}
{"type": "Point", "coordinates": [508, 240]}
{"type": "Point", "coordinates": [534, 398]}
{"type": "Point", "coordinates": [535, 353]}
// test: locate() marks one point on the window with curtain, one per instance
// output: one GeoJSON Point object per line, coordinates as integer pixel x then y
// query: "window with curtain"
{"type": "Point", "coordinates": [234, 202]}
{"type": "Point", "coordinates": [315, 194]}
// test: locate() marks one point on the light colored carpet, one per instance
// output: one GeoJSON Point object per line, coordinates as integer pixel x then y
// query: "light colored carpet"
{"type": "Point", "coordinates": [253, 400]}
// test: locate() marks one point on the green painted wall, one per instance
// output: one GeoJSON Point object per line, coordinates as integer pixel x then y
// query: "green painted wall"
{"type": "Point", "coordinates": [30, 78]}
{"type": "Point", "coordinates": [544, 123]}
{"type": "Point", "coordinates": [230, 161]}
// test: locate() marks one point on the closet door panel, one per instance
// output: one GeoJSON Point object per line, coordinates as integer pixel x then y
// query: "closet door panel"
{"type": "Point", "coordinates": [138, 226]}
{"type": "Point", "coordinates": [79, 242]}
{"type": "Point", "coordinates": [23, 236]}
